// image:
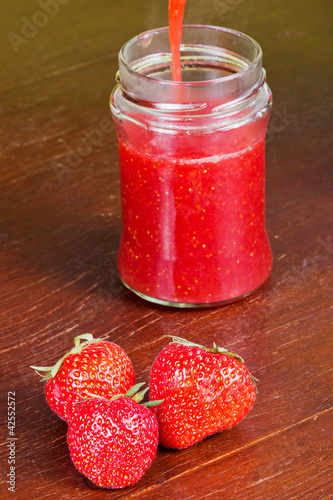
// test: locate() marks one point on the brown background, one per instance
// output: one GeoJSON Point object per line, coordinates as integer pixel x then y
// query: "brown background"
{"type": "Point", "coordinates": [60, 224]}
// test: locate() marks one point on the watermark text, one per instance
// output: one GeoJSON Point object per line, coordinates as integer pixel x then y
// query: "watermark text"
{"type": "Point", "coordinates": [31, 26]}
{"type": "Point", "coordinates": [11, 441]}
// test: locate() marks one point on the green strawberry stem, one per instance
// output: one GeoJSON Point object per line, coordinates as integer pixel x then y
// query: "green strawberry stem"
{"type": "Point", "coordinates": [215, 350]}
{"type": "Point", "coordinates": [51, 371]}
{"type": "Point", "coordinates": [132, 393]}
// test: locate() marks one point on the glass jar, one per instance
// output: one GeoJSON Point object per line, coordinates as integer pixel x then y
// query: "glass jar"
{"type": "Point", "coordinates": [192, 167]}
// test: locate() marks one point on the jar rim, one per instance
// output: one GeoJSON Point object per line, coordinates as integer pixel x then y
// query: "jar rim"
{"type": "Point", "coordinates": [226, 102]}
{"type": "Point", "coordinates": [187, 27]}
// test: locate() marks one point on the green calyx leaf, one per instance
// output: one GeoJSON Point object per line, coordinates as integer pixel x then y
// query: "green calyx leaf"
{"type": "Point", "coordinates": [222, 350]}
{"type": "Point", "coordinates": [187, 343]}
{"type": "Point", "coordinates": [51, 371]}
{"type": "Point", "coordinates": [137, 395]}
{"type": "Point", "coordinates": [134, 389]}
{"type": "Point", "coordinates": [215, 350]}
{"type": "Point", "coordinates": [133, 393]}
{"type": "Point", "coordinates": [150, 404]}
{"type": "Point", "coordinates": [254, 380]}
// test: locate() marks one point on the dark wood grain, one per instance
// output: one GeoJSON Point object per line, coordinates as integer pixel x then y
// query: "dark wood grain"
{"type": "Point", "coordinates": [60, 225]}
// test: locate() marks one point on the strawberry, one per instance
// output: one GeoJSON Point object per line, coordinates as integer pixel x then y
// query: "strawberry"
{"type": "Point", "coordinates": [204, 392]}
{"type": "Point", "coordinates": [113, 442]}
{"type": "Point", "coordinates": [94, 366]}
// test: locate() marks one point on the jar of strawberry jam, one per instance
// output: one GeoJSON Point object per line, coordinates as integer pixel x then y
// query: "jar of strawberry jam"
{"type": "Point", "coordinates": [192, 167]}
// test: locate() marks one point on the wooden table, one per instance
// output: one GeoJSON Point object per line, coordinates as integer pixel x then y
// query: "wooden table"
{"type": "Point", "coordinates": [60, 225]}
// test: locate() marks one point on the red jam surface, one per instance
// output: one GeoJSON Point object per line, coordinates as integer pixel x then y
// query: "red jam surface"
{"type": "Point", "coordinates": [193, 229]}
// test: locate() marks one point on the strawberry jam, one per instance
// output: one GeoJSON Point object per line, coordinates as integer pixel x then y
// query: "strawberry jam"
{"type": "Point", "coordinates": [176, 14]}
{"type": "Point", "coordinates": [192, 167]}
